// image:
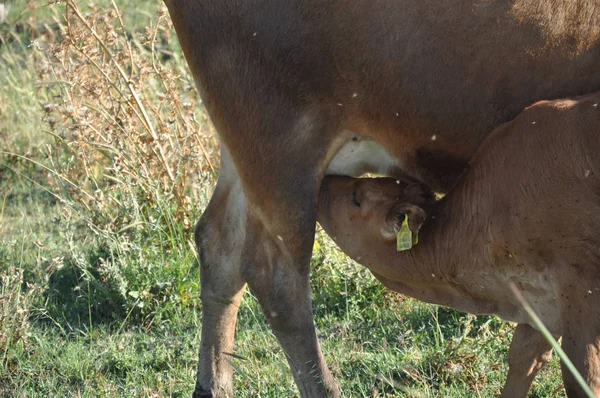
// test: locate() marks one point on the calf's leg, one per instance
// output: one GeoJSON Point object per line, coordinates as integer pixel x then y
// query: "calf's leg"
{"type": "Point", "coordinates": [528, 352]}
{"type": "Point", "coordinates": [579, 304]}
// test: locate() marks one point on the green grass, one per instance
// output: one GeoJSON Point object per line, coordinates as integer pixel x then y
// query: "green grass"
{"type": "Point", "coordinates": [101, 298]}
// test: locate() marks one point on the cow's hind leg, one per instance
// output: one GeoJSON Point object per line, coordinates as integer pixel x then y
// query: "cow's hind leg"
{"type": "Point", "coordinates": [270, 248]}
{"type": "Point", "coordinates": [282, 193]}
{"type": "Point", "coordinates": [528, 353]}
{"type": "Point", "coordinates": [219, 238]}
{"type": "Point", "coordinates": [278, 274]}
{"type": "Point", "coordinates": [264, 237]}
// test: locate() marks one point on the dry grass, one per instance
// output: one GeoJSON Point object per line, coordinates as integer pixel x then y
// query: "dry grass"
{"type": "Point", "coordinates": [122, 122]}
{"type": "Point", "coordinates": [15, 301]}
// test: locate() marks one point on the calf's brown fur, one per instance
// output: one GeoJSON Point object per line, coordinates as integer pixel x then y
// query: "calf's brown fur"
{"type": "Point", "coordinates": [527, 211]}
{"type": "Point", "coordinates": [289, 84]}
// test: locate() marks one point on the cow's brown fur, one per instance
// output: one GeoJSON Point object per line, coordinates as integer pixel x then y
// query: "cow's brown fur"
{"type": "Point", "coordinates": [527, 211]}
{"type": "Point", "coordinates": [289, 83]}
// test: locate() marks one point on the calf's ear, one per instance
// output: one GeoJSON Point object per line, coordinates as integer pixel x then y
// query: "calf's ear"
{"type": "Point", "coordinates": [395, 218]}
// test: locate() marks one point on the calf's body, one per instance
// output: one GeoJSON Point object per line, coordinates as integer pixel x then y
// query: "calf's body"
{"type": "Point", "coordinates": [526, 211]}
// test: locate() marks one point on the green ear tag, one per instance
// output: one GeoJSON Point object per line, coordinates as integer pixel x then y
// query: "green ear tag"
{"type": "Point", "coordinates": [405, 239]}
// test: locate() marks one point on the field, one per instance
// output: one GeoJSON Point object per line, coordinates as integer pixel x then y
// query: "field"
{"type": "Point", "coordinates": [107, 158]}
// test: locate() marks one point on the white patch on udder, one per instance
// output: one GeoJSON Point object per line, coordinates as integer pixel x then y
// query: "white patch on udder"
{"type": "Point", "coordinates": [359, 156]}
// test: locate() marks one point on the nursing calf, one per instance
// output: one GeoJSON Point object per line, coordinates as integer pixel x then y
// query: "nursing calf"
{"type": "Point", "coordinates": [526, 211]}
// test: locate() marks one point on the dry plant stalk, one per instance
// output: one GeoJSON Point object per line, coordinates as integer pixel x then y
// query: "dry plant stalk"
{"type": "Point", "coordinates": [125, 127]}
{"type": "Point", "coordinates": [14, 309]}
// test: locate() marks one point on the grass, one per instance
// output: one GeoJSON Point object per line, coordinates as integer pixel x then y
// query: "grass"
{"type": "Point", "coordinates": [100, 184]}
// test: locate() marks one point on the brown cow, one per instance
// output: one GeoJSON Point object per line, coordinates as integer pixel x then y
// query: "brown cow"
{"type": "Point", "coordinates": [527, 211]}
{"type": "Point", "coordinates": [290, 84]}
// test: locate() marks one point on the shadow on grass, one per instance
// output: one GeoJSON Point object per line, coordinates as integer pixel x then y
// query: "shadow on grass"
{"type": "Point", "coordinates": [77, 298]}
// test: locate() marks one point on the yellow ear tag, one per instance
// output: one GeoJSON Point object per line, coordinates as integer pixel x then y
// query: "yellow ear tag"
{"type": "Point", "coordinates": [405, 239]}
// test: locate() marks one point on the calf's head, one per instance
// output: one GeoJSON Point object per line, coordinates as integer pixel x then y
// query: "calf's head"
{"type": "Point", "coordinates": [363, 215]}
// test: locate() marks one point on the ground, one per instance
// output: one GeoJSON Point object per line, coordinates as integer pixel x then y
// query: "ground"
{"type": "Point", "coordinates": [100, 184]}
